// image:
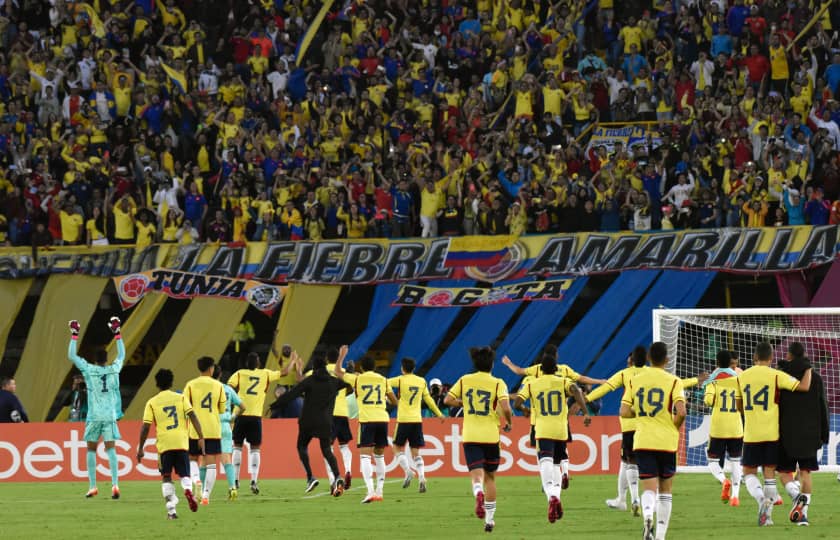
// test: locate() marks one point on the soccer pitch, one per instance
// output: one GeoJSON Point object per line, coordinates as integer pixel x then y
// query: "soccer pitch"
{"type": "Point", "coordinates": [59, 510]}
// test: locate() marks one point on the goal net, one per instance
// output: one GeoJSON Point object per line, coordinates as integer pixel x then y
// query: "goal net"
{"type": "Point", "coordinates": [694, 336]}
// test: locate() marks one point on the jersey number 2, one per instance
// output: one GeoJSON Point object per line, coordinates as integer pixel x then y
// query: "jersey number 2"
{"type": "Point", "coordinates": [252, 390]}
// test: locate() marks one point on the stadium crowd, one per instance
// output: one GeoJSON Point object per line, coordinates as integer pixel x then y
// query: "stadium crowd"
{"type": "Point", "coordinates": [186, 120]}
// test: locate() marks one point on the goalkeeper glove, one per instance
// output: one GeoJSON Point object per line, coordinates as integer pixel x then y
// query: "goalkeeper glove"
{"type": "Point", "coordinates": [75, 327]}
{"type": "Point", "coordinates": [114, 325]}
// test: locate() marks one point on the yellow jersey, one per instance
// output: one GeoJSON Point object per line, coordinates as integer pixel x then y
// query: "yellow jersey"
{"type": "Point", "coordinates": [651, 395]}
{"type": "Point", "coordinates": [548, 406]}
{"type": "Point", "coordinates": [531, 417]}
{"type": "Point", "coordinates": [208, 400]}
{"type": "Point", "coordinates": [562, 371]}
{"type": "Point", "coordinates": [480, 393]}
{"type": "Point", "coordinates": [123, 223]}
{"type": "Point", "coordinates": [758, 388]}
{"type": "Point", "coordinates": [71, 227]}
{"type": "Point", "coordinates": [618, 380]}
{"type": "Point", "coordinates": [371, 390]}
{"type": "Point", "coordinates": [168, 412]}
{"type": "Point", "coordinates": [411, 389]}
{"type": "Point", "coordinates": [252, 385]}
{"type": "Point", "coordinates": [720, 396]}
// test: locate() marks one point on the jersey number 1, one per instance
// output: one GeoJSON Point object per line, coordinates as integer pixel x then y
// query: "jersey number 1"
{"type": "Point", "coordinates": [104, 380]}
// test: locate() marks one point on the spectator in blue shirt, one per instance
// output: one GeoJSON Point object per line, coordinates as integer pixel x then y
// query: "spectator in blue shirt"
{"type": "Point", "coordinates": [832, 74]}
{"type": "Point", "coordinates": [721, 42]}
{"type": "Point", "coordinates": [470, 27]}
{"type": "Point", "coordinates": [795, 207]}
{"type": "Point", "coordinates": [634, 63]}
{"type": "Point", "coordinates": [818, 208]}
{"type": "Point", "coordinates": [195, 205]}
{"type": "Point", "coordinates": [153, 115]}
{"type": "Point", "coordinates": [736, 18]}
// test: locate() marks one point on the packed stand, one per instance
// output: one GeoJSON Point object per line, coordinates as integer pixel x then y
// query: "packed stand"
{"type": "Point", "coordinates": [184, 121]}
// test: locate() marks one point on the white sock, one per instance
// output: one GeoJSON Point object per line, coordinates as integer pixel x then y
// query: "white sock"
{"type": "Point", "coordinates": [402, 459]}
{"type": "Point", "coordinates": [633, 481]}
{"type": "Point", "coordinates": [547, 477]}
{"type": "Point", "coordinates": [209, 480]}
{"type": "Point", "coordinates": [622, 484]}
{"type": "Point", "coordinates": [169, 496]}
{"type": "Point", "coordinates": [663, 515]}
{"type": "Point", "coordinates": [754, 487]}
{"type": "Point", "coordinates": [379, 465]}
{"type": "Point", "coordinates": [490, 511]}
{"type": "Point", "coordinates": [329, 472]}
{"type": "Point", "coordinates": [770, 492]}
{"type": "Point", "coordinates": [735, 464]}
{"type": "Point", "coordinates": [717, 472]}
{"type": "Point", "coordinates": [477, 488]}
{"type": "Point", "coordinates": [648, 502]}
{"type": "Point", "coordinates": [792, 489]}
{"type": "Point", "coordinates": [254, 464]}
{"type": "Point", "coordinates": [564, 467]}
{"type": "Point", "coordinates": [194, 472]}
{"type": "Point", "coordinates": [421, 468]}
{"type": "Point", "coordinates": [237, 462]}
{"type": "Point", "coordinates": [367, 472]}
{"type": "Point", "coordinates": [807, 504]}
{"type": "Point", "coordinates": [346, 457]}
{"type": "Point", "coordinates": [186, 483]}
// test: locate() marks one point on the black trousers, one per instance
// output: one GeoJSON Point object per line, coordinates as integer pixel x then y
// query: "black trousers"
{"type": "Point", "coordinates": [322, 433]}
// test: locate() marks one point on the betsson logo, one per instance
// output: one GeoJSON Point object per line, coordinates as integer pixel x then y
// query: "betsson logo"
{"type": "Point", "coordinates": [62, 457]}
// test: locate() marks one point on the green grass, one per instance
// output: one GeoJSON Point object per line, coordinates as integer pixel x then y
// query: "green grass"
{"type": "Point", "coordinates": [59, 510]}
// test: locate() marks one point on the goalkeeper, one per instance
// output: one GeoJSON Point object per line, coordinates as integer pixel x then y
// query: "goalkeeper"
{"type": "Point", "coordinates": [103, 383]}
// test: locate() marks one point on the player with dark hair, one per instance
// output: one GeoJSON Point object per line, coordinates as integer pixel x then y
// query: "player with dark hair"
{"type": "Point", "coordinates": [803, 425]}
{"type": "Point", "coordinates": [208, 400]}
{"type": "Point", "coordinates": [628, 473]}
{"type": "Point", "coordinates": [548, 398]}
{"type": "Point", "coordinates": [481, 394]}
{"type": "Point", "coordinates": [103, 386]}
{"type": "Point", "coordinates": [319, 391]}
{"type": "Point", "coordinates": [726, 434]}
{"type": "Point", "coordinates": [758, 388]}
{"type": "Point", "coordinates": [656, 399]}
{"type": "Point", "coordinates": [251, 384]}
{"type": "Point", "coordinates": [171, 414]}
{"type": "Point", "coordinates": [563, 370]}
{"type": "Point", "coordinates": [340, 424]}
{"type": "Point", "coordinates": [372, 391]}
{"type": "Point", "coordinates": [411, 392]}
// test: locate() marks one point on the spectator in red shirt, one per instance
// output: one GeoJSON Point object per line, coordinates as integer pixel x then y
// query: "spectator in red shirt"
{"type": "Point", "coordinates": [241, 49]}
{"type": "Point", "coordinates": [758, 67]}
{"type": "Point", "coordinates": [757, 25]}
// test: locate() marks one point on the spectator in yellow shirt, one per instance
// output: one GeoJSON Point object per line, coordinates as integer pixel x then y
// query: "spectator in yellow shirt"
{"type": "Point", "coordinates": [356, 223]}
{"type": "Point", "coordinates": [71, 225]}
{"type": "Point", "coordinates": [95, 227]}
{"type": "Point", "coordinates": [124, 212]}
{"type": "Point", "coordinates": [146, 230]}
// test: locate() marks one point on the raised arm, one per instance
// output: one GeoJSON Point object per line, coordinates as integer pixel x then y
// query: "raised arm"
{"type": "Point", "coordinates": [77, 360]}
{"type": "Point", "coordinates": [511, 366]}
{"type": "Point", "coordinates": [115, 326]}
{"type": "Point", "coordinates": [338, 371]}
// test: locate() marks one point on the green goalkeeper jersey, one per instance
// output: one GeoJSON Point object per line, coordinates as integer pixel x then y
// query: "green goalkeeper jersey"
{"type": "Point", "coordinates": [103, 384]}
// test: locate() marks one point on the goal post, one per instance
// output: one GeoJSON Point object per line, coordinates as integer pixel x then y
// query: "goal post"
{"type": "Point", "coordinates": [694, 336]}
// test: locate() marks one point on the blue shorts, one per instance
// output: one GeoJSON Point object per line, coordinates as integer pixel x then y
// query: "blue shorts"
{"type": "Point", "coordinates": [482, 456]}
{"type": "Point", "coordinates": [411, 434]}
{"type": "Point", "coordinates": [373, 435]}
{"type": "Point", "coordinates": [549, 448]}
{"type": "Point", "coordinates": [341, 430]}
{"type": "Point", "coordinates": [227, 438]}
{"type": "Point", "coordinates": [656, 464]}
{"type": "Point", "coordinates": [177, 460]}
{"type": "Point", "coordinates": [107, 430]}
{"type": "Point", "coordinates": [719, 448]}
{"type": "Point", "coordinates": [760, 454]}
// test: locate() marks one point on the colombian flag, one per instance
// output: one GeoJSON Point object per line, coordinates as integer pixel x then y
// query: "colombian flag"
{"type": "Point", "coordinates": [177, 77]}
{"type": "Point", "coordinates": [307, 37]}
{"type": "Point", "coordinates": [477, 250]}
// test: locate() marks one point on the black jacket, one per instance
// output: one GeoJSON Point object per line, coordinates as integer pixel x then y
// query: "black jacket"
{"type": "Point", "coordinates": [803, 416]}
{"type": "Point", "coordinates": [319, 391]}
{"type": "Point", "coordinates": [11, 409]}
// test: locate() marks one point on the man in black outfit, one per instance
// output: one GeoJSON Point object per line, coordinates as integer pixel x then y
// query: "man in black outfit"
{"type": "Point", "coordinates": [803, 426]}
{"type": "Point", "coordinates": [318, 391]}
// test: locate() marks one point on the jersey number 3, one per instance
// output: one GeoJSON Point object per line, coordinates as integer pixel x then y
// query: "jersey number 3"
{"type": "Point", "coordinates": [172, 413]}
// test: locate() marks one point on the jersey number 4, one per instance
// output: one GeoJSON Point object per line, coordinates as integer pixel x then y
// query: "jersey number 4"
{"type": "Point", "coordinates": [655, 398]}
{"type": "Point", "coordinates": [207, 402]}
